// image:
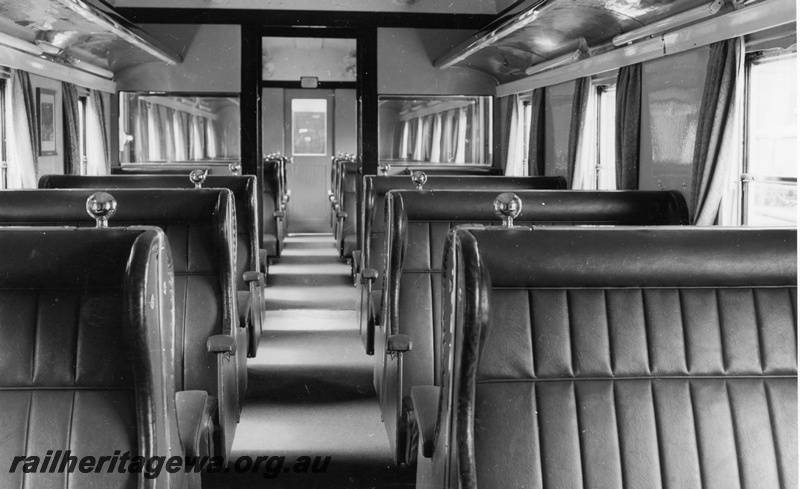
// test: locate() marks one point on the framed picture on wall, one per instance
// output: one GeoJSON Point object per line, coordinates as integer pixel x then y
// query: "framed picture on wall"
{"type": "Point", "coordinates": [46, 107]}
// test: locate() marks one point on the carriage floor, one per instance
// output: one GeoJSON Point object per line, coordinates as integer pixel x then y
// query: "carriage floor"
{"type": "Point", "coordinates": [310, 390]}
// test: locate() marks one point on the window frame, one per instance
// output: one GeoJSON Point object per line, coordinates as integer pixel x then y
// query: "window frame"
{"type": "Point", "coordinates": [600, 90]}
{"type": "Point", "coordinates": [746, 176]}
{"type": "Point", "coordinates": [3, 135]}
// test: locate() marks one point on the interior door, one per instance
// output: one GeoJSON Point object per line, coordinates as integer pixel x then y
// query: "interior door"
{"type": "Point", "coordinates": [309, 141]}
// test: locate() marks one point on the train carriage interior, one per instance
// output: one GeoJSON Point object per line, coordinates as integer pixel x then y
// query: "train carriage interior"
{"type": "Point", "coordinates": [398, 244]}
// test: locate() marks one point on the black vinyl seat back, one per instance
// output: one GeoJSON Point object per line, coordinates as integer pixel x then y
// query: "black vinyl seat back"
{"type": "Point", "coordinates": [184, 168]}
{"type": "Point", "coordinates": [418, 223]}
{"type": "Point", "coordinates": [85, 317]}
{"type": "Point", "coordinates": [244, 189]}
{"type": "Point", "coordinates": [376, 187]}
{"type": "Point", "coordinates": [348, 204]}
{"type": "Point", "coordinates": [200, 227]}
{"type": "Point", "coordinates": [372, 241]}
{"type": "Point", "coordinates": [273, 191]}
{"type": "Point", "coordinates": [641, 357]}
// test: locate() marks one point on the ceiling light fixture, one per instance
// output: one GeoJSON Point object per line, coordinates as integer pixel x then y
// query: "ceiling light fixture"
{"type": "Point", "coordinates": [19, 44]}
{"type": "Point", "coordinates": [581, 53]}
{"type": "Point", "coordinates": [90, 68]}
{"type": "Point", "coordinates": [669, 23]}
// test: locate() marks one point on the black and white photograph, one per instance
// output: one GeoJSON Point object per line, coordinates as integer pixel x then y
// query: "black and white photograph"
{"type": "Point", "coordinates": [398, 244]}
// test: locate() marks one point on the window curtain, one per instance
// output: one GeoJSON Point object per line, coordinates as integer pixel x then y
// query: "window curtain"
{"type": "Point", "coordinates": [168, 138]}
{"type": "Point", "coordinates": [715, 146]}
{"type": "Point", "coordinates": [436, 143]}
{"type": "Point", "coordinates": [461, 146]}
{"type": "Point", "coordinates": [97, 150]}
{"type": "Point", "coordinates": [140, 141]}
{"type": "Point", "coordinates": [211, 139]}
{"type": "Point", "coordinates": [419, 139]}
{"type": "Point", "coordinates": [628, 122]}
{"type": "Point", "coordinates": [580, 102]}
{"type": "Point", "coordinates": [72, 142]}
{"type": "Point", "coordinates": [585, 173]}
{"type": "Point", "coordinates": [513, 164]}
{"type": "Point", "coordinates": [536, 136]}
{"type": "Point", "coordinates": [179, 130]}
{"type": "Point", "coordinates": [22, 132]}
{"type": "Point", "coordinates": [196, 149]}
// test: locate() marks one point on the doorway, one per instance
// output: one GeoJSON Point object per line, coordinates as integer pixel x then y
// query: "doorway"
{"type": "Point", "coordinates": [308, 142]}
{"type": "Point", "coordinates": [310, 125]}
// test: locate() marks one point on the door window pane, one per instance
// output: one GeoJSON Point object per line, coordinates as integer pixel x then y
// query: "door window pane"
{"type": "Point", "coordinates": [310, 127]}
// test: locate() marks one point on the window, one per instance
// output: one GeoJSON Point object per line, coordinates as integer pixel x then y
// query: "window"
{"type": "Point", "coordinates": [310, 127]}
{"type": "Point", "coordinates": [447, 129]}
{"type": "Point", "coordinates": [3, 153]}
{"type": "Point", "coordinates": [83, 101]}
{"type": "Point", "coordinates": [606, 132]}
{"type": "Point", "coordinates": [525, 127]}
{"type": "Point", "coordinates": [769, 181]}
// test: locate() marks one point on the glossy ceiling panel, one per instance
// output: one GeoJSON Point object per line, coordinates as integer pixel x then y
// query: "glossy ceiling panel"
{"type": "Point", "coordinates": [63, 33]}
{"type": "Point", "coordinates": [558, 27]}
{"type": "Point", "coordinates": [414, 6]}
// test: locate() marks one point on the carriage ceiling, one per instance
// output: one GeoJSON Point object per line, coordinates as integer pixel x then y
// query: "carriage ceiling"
{"type": "Point", "coordinates": [558, 27]}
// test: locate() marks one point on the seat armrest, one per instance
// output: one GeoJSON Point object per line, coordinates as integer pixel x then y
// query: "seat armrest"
{"type": "Point", "coordinates": [425, 399]}
{"type": "Point", "coordinates": [255, 309]}
{"type": "Point", "coordinates": [221, 343]}
{"type": "Point", "coordinates": [398, 343]}
{"type": "Point", "coordinates": [264, 261]}
{"type": "Point", "coordinates": [196, 411]}
{"type": "Point", "coordinates": [243, 299]}
{"type": "Point", "coordinates": [368, 275]}
{"type": "Point", "coordinates": [252, 276]}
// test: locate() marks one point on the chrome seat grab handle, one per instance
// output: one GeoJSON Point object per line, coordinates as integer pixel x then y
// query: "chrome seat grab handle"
{"type": "Point", "coordinates": [508, 206]}
{"type": "Point", "coordinates": [419, 178]}
{"type": "Point", "coordinates": [101, 206]}
{"type": "Point", "coordinates": [197, 177]}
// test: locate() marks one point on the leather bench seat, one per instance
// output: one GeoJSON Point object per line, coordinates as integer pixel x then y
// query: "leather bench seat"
{"type": "Point", "coordinates": [274, 211]}
{"type": "Point", "coordinates": [85, 315]}
{"type": "Point", "coordinates": [418, 223]}
{"type": "Point", "coordinates": [218, 169]}
{"type": "Point", "coordinates": [199, 224]}
{"type": "Point", "coordinates": [371, 239]}
{"type": "Point", "coordinates": [371, 234]}
{"type": "Point", "coordinates": [249, 257]}
{"type": "Point", "coordinates": [345, 229]}
{"type": "Point", "coordinates": [613, 357]}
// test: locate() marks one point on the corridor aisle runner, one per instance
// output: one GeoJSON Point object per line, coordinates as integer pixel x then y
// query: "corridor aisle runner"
{"type": "Point", "coordinates": [310, 388]}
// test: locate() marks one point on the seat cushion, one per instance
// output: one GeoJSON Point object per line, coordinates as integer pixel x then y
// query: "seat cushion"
{"type": "Point", "coordinates": [350, 245]}
{"type": "Point", "coordinates": [271, 244]}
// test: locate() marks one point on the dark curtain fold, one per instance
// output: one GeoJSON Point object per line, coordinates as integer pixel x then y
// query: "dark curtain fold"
{"type": "Point", "coordinates": [580, 101]}
{"type": "Point", "coordinates": [628, 126]}
{"type": "Point", "coordinates": [72, 148]}
{"type": "Point", "coordinates": [716, 112]}
{"type": "Point", "coordinates": [29, 99]}
{"type": "Point", "coordinates": [141, 134]}
{"type": "Point", "coordinates": [510, 101]}
{"type": "Point", "coordinates": [536, 135]}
